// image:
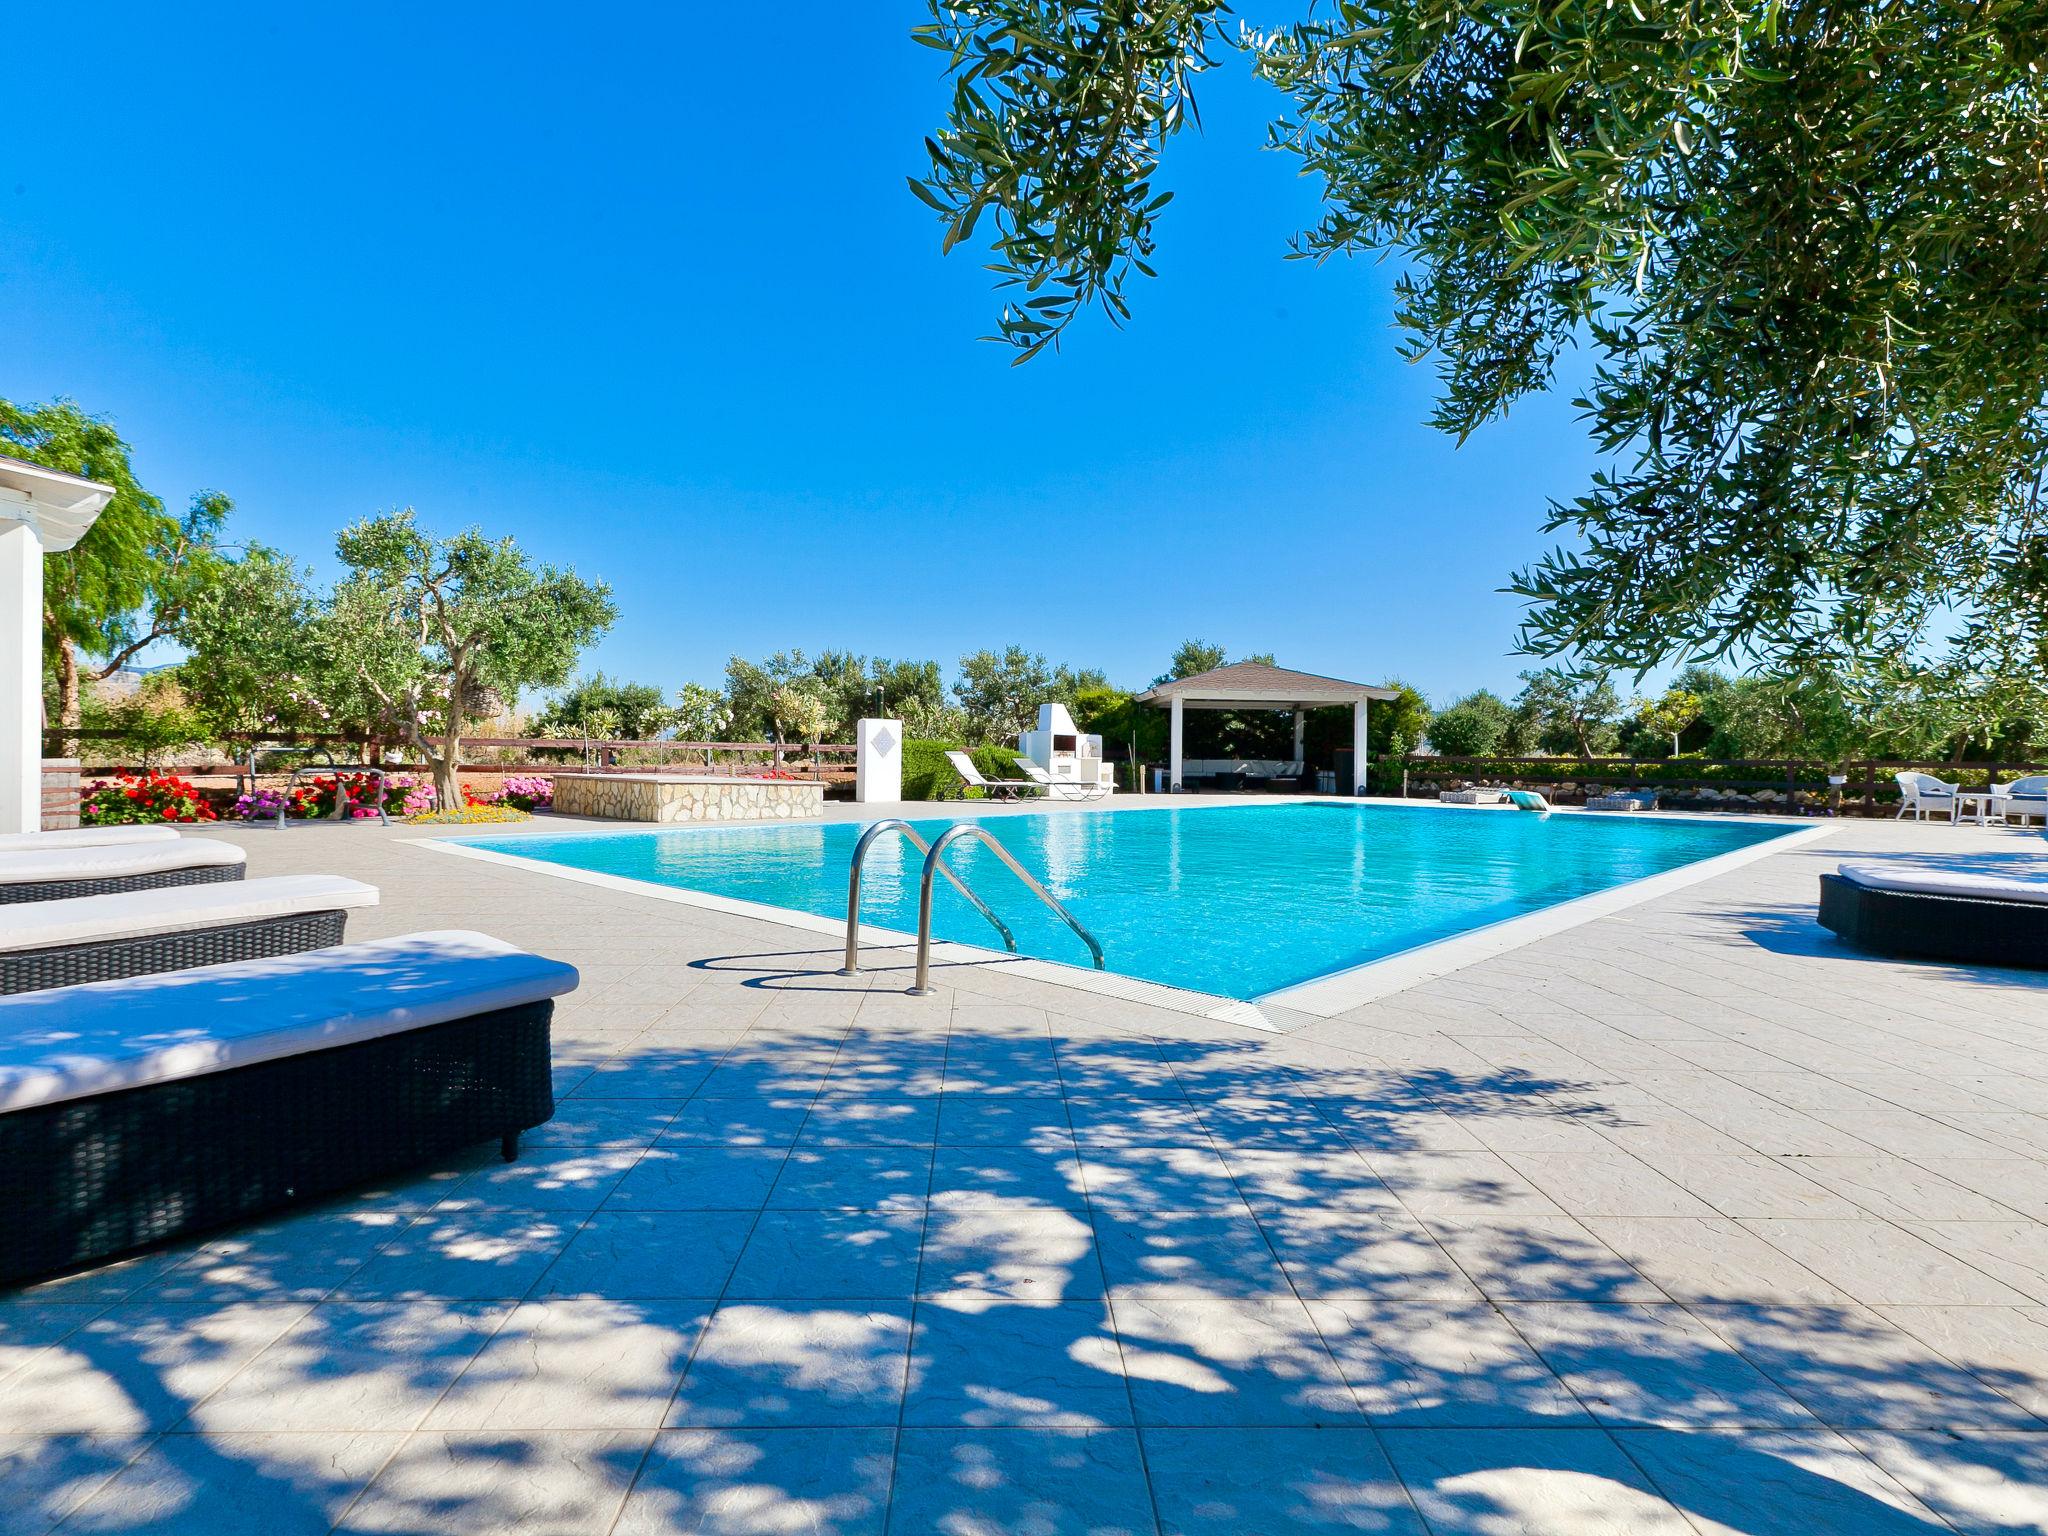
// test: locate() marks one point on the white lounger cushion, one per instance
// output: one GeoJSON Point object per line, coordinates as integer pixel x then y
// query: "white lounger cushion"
{"type": "Point", "coordinates": [115, 862]}
{"type": "Point", "coordinates": [175, 909]}
{"type": "Point", "coordinates": [1945, 882]}
{"type": "Point", "coordinates": [72, 1042]}
{"type": "Point", "coordinates": [85, 837]}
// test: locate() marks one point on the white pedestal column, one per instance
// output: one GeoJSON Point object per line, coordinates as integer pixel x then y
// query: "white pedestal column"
{"type": "Point", "coordinates": [878, 771]}
{"type": "Point", "coordinates": [1360, 751]}
{"type": "Point", "coordinates": [21, 678]}
{"type": "Point", "coordinates": [1300, 733]}
{"type": "Point", "coordinates": [1173, 755]}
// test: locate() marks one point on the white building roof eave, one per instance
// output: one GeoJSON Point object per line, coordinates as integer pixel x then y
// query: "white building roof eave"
{"type": "Point", "coordinates": [59, 506]}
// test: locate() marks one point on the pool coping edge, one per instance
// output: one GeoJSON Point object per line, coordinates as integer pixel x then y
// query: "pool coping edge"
{"type": "Point", "coordinates": [1324, 997]}
{"type": "Point", "coordinates": [1328, 997]}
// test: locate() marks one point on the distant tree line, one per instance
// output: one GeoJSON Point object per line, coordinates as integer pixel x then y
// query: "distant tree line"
{"type": "Point", "coordinates": [426, 636]}
{"type": "Point", "coordinates": [1817, 715]}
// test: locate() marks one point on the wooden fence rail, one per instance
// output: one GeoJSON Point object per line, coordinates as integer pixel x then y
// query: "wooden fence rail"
{"type": "Point", "coordinates": [540, 753]}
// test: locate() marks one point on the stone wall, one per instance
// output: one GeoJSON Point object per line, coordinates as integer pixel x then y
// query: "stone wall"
{"type": "Point", "coordinates": [61, 788]}
{"type": "Point", "coordinates": [646, 797]}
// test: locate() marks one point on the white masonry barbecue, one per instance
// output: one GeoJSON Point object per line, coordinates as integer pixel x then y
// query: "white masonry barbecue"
{"type": "Point", "coordinates": [1072, 762]}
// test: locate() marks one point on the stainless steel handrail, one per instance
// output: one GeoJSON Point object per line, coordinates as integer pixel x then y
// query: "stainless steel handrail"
{"type": "Point", "coordinates": [934, 863]}
{"type": "Point", "coordinates": [860, 853]}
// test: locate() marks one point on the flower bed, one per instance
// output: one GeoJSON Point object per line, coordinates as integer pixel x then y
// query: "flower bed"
{"type": "Point", "coordinates": [521, 792]}
{"type": "Point", "coordinates": [473, 814]}
{"type": "Point", "coordinates": [144, 797]}
{"type": "Point", "coordinates": [318, 798]}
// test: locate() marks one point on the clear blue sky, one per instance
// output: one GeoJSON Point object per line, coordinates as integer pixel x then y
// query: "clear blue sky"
{"type": "Point", "coordinates": [647, 291]}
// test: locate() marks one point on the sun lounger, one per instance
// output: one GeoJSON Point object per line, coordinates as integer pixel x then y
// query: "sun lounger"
{"type": "Point", "coordinates": [55, 874]}
{"type": "Point", "coordinates": [1060, 789]}
{"type": "Point", "coordinates": [1628, 800]}
{"type": "Point", "coordinates": [140, 1110]}
{"type": "Point", "coordinates": [995, 789]}
{"type": "Point", "coordinates": [1528, 800]}
{"type": "Point", "coordinates": [1472, 796]}
{"type": "Point", "coordinates": [1938, 914]}
{"type": "Point", "coordinates": [87, 837]}
{"type": "Point", "coordinates": [102, 938]}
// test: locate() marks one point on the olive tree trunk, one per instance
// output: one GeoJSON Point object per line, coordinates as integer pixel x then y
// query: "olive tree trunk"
{"type": "Point", "coordinates": [447, 781]}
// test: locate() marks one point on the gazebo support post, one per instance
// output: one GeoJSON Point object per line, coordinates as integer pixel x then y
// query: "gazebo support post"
{"type": "Point", "coordinates": [1360, 759]}
{"type": "Point", "coordinates": [1173, 783]}
{"type": "Point", "coordinates": [1300, 733]}
{"type": "Point", "coordinates": [21, 678]}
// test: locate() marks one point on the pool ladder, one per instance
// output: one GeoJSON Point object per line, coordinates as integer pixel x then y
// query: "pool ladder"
{"type": "Point", "coordinates": [935, 864]}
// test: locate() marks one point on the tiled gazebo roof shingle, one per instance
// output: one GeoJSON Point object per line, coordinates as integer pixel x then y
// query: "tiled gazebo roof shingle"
{"type": "Point", "coordinates": [1255, 683]}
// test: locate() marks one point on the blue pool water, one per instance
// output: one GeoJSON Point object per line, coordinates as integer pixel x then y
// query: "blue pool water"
{"type": "Point", "coordinates": [1233, 900]}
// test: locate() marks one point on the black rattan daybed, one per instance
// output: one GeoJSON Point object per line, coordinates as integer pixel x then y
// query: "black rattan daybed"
{"type": "Point", "coordinates": [1938, 915]}
{"type": "Point", "coordinates": [136, 1111]}
{"type": "Point", "coordinates": [88, 837]}
{"type": "Point", "coordinates": [139, 933]}
{"type": "Point", "coordinates": [57, 874]}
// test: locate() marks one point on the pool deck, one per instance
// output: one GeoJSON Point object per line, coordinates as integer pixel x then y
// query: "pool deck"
{"type": "Point", "coordinates": [1684, 1219]}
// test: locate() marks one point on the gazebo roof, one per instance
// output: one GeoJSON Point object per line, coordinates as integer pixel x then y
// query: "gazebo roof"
{"type": "Point", "coordinates": [59, 506]}
{"type": "Point", "coordinates": [1254, 685]}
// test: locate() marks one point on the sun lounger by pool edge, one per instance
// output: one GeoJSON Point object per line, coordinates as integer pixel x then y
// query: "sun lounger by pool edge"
{"type": "Point", "coordinates": [1938, 915]}
{"type": "Point", "coordinates": [56, 874]}
{"type": "Point", "coordinates": [137, 1111]}
{"type": "Point", "coordinates": [138, 933]}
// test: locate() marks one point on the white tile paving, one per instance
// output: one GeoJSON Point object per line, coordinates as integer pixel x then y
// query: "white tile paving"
{"type": "Point", "coordinates": [1684, 1220]}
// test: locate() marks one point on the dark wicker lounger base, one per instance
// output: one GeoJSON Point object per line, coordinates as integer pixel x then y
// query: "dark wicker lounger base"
{"type": "Point", "coordinates": [62, 890]}
{"type": "Point", "coordinates": [94, 1178]}
{"type": "Point", "coordinates": [66, 965]}
{"type": "Point", "coordinates": [1961, 928]}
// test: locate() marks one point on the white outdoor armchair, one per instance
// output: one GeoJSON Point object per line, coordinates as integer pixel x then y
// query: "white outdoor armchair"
{"type": "Point", "coordinates": [1923, 792]}
{"type": "Point", "coordinates": [2022, 797]}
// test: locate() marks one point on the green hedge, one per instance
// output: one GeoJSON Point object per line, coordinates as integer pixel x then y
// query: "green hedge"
{"type": "Point", "coordinates": [1649, 770]}
{"type": "Point", "coordinates": [928, 776]}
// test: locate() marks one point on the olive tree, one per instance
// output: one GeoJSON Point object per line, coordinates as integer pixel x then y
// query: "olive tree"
{"type": "Point", "coordinates": [430, 633]}
{"type": "Point", "coordinates": [256, 665]}
{"type": "Point", "coordinates": [1472, 727]}
{"type": "Point", "coordinates": [1804, 241]}
{"type": "Point", "coordinates": [999, 693]}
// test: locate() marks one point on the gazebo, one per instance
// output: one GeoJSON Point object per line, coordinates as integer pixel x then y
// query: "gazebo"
{"type": "Point", "coordinates": [42, 511]}
{"type": "Point", "coordinates": [1250, 685]}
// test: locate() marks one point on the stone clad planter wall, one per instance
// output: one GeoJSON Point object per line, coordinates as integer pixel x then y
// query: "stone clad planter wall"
{"type": "Point", "coordinates": [684, 797]}
{"type": "Point", "coordinates": [61, 788]}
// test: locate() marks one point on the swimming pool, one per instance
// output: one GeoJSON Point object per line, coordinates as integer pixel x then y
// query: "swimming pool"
{"type": "Point", "coordinates": [1238, 900]}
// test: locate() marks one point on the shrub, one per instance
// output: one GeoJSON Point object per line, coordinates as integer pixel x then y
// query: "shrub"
{"type": "Point", "coordinates": [319, 797]}
{"type": "Point", "coordinates": [1383, 776]}
{"type": "Point", "coordinates": [1472, 727]}
{"type": "Point", "coordinates": [928, 776]}
{"type": "Point", "coordinates": [526, 792]}
{"type": "Point", "coordinates": [926, 773]}
{"type": "Point", "coordinates": [519, 792]}
{"type": "Point", "coordinates": [260, 805]}
{"type": "Point", "coordinates": [405, 794]}
{"type": "Point", "coordinates": [143, 798]}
